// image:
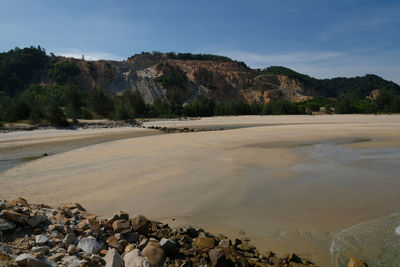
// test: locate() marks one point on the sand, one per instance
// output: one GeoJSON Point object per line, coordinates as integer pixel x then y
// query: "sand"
{"type": "Point", "coordinates": [242, 182]}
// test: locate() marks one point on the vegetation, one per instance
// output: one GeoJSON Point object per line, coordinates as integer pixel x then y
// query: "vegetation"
{"type": "Point", "coordinates": [23, 98]}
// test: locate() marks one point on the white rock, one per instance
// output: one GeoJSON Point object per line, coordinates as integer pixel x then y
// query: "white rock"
{"type": "Point", "coordinates": [41, 239]}
{"type": "Point", "coordinates": [28, 260]}
{"type": "Point", "coordinates": [88, 245]}
{"type": "Point", "coordinates": [113, 259]}
{"type": "Point", "coordinates": [72, 261]}
{"type": "Point", "coordinates": [135, 259]}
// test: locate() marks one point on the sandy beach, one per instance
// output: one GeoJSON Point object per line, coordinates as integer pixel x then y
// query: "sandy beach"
{"type": "Point", "coordinates": [253, 182]}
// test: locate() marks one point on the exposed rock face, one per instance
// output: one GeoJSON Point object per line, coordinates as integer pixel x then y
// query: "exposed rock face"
{"type": "Point", "coordinates": [225, 81]}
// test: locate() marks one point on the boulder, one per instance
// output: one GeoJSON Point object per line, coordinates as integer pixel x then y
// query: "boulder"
{"type": "Point", "coordinates": [354, 262]}
{"type": "Point", "coordinates": [217, 257]}
{"type": "Point", "coordinates": [15, 216]}
{"type": "Point", "coordinates": [20, 202]}
{"type": "Point", "coordinates": [89, 245]}
{"type": "Point", "coordinates": [6, 225]}
{"type": "Point", "coordinates": [121, 226]}
{"type": "Point", "coordinates": [28, 260]}
{"type": "Point", "coordinates": [168, 246]}
{"type": "Point", "coordinates": [69, 239]}
{"type": "Point", "coordinates": [113, 259]}
{"type": "Point", "coordinates": [155, 254]}
{"type": "Point", "coordinates": [140, 224]}
{"type": "Point", "coordinates": [135, 259]}
{"type": "Point", "coordinates": [41, 240]}
{"type": "Point", "coordinates": [204, 242]}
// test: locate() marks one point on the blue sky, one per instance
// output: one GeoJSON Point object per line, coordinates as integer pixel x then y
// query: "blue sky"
{"type": "Point", "coordinates": [318, 37]}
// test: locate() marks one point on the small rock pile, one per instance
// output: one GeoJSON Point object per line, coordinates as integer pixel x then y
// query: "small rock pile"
{"type": "Point", "coordinates": [183, 130]}
{"type": "Point", "coordinates": [37, 235]}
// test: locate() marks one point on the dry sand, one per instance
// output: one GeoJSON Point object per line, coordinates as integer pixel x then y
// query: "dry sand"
{"type": "Point", "coordinates": [242, 182]}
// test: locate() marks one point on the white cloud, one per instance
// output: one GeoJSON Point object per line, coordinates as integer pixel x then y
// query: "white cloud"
{"type": "Point", "coordinates": [91, 55]}
{"type": "Point", "coordinates": [262, 60]}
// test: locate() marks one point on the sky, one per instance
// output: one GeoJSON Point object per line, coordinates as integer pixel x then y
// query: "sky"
{"type": "Point", "coordinates": [321, 38]}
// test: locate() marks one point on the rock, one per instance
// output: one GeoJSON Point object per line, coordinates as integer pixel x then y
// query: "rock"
{"type": "Point", "coordinates": [132, 237]}
{"type": "Point", "coordinates": [35, 220]}
{"type": "Point", "coordinates": [20, 202]}
{"type": "Point", "coordinates": [113, 259]}
{"type": "Point", "coordinates": [28, 260]}
{"type": "Point", "coordinates": [72, 205]}
{"type": "Point", "coordinates": [354, 262]}
{"type": "Point", "coordinates": [168, 246]}
{"type": "Point", "coordinates": [155, 254]}
{"type": "Point", "coordinates": [135, 259]}
{"type": "Point", "coordinates": [41, 239]}
{"type": "Point", "coordinates": [122, 215]}
{"type": "Point", "coordinates": [113, 242]}
{"type": "Point", "coordinates": [246, 247]}
{"type": "Point", "coordinates": [69, 239]}
{"type": "Point", "coordinates": [6, 225]}
{"type": "Point", "coordinates": [44, 249]}
{"type": "Point", "coordinates": [143, 243]}
{"type": "Point", "coordinates": [129, 248]}
{"type": "Point", "coordinates": [56, 257]}
{"type": "Point", "coordinates": [294, 258]}
{"type": "Point", "coordinates": [15, 216]}
{"type": "Point", "coordinates": [217, 257]}
{"type": "Point", "coordinates": [224, 243]}
{"type": "Point", "coordinates": [72, 261]}
{"type": "Point", "coordinates": [121, 226]}
{"type": "Point", "coordinates": [88, 244]}
{"type": "Point", "coordinates": [204, 242]}
{"type": "Point", "coordinates": [72, 249]}
{"type": "Point", "coordinates": [140, 224]}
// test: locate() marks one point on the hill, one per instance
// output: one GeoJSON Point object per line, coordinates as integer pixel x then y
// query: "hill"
{"type": "Point", "coordinates": [156, 74]}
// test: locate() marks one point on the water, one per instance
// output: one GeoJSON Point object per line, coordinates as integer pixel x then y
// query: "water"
{"type": "Point", "coordinates": [10, 163]}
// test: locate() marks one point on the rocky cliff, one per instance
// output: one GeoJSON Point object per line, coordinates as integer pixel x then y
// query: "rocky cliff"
{"type": "Point", "coordinates": [154, 76]}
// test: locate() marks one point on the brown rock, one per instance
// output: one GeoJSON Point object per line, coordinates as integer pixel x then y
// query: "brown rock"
{"type": "Point", "coordinates": [121, 226]}
{"type": "Point", "coordinates": [56, 257]}
{"type": "Point", "coordinates": [204, 242]}
{"type": "Point", "coordinates": [129, 248]}
{"type": "Point", "coordinates": [155, 254]}
{"type": "Point", "coordinates": [20, 202]}
{"type": "Point", "coordinates": [354, 262]}
{"type": "Point", "coordinates": [113, 242]}
{"type": "Point", "coordinates": [15, 216]}
{"type": "Point", "coordinates": [140, 224]}
{"type": "Point", "coordinates": [103, 252]}
{"type": "Point", "coordinates": [72, 205]}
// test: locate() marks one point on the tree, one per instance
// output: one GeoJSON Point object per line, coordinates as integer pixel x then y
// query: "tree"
{"type": "Point", "coordinates": [64, 71]}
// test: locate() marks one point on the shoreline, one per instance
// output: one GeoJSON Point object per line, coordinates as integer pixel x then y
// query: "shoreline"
{"type": "Point", "coordinates": [248, 170]}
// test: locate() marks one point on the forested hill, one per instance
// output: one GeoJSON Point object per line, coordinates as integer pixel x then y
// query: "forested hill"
{"type": "Point", "coordinates": [340, 86]}
{"type": "Point", "coordinates": [155, 74]}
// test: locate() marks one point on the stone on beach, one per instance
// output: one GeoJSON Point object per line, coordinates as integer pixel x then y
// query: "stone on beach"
{"type": "Point", "coordinates": [88, 244]}
{"type": "Point", "coordinates": [140, 224]}
{"type": "Point", "coordinates": [113, 259]}
{"type": "Point", "coordinates": [135, 259]}
{"type": "Point", "coordinates": [6, 225]}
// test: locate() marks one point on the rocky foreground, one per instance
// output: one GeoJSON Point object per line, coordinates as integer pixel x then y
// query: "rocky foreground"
{"type": "Point", "coordinates": [37, 235]}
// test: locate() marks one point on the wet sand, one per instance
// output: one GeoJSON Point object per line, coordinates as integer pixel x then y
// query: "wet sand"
{"type": "Point", "coordinates": [288, 187]}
